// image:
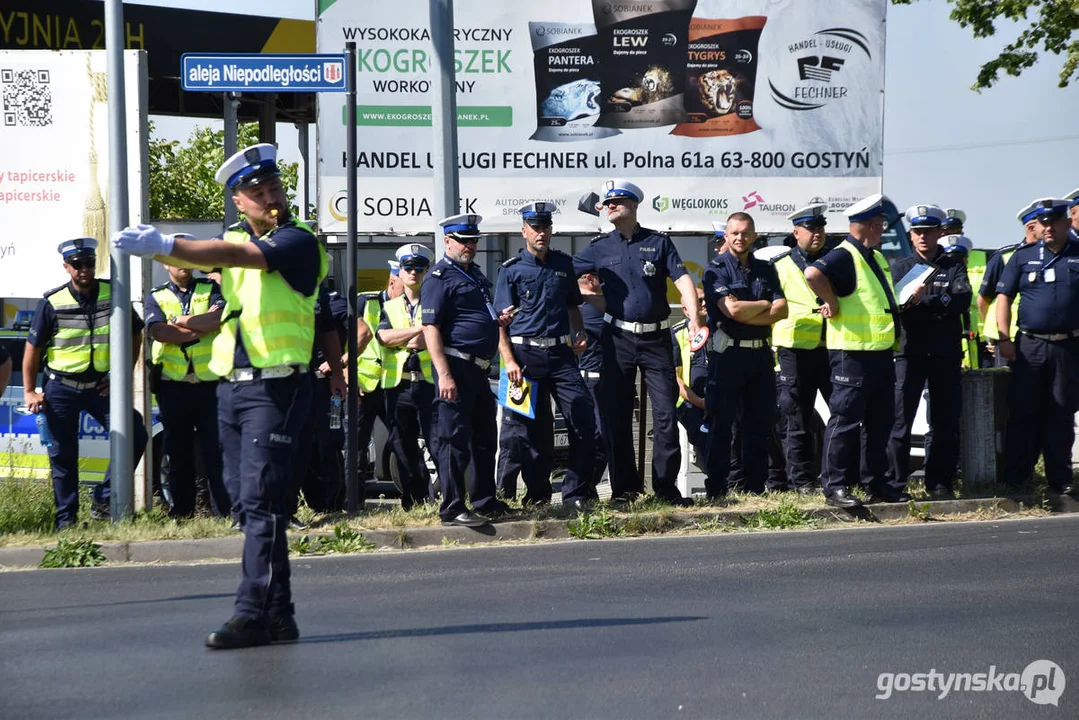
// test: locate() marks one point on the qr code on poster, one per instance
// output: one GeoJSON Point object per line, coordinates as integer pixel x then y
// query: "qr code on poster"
{"type": "Point", "coordinates": [27, 98]}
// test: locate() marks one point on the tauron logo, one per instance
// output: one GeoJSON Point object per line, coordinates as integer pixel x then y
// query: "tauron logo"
{"type": "Point", "coordinates": [838, 44]}
{"type": "Point", "coordinates": [752, 200]}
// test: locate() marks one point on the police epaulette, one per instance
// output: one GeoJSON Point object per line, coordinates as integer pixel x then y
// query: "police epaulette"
{"type": "Point", "coordinates": [598, 237]}
{"type": "Point", "coordinates": [779, 257]}
{"type": "Point", "coordinates": [162, 286]}
{"type": "Point", "coordinates": [437, 273]}
{"type": "Point", "coordinates": [1009, 248]}
{"type": "Point", "coordinates": [512, 260]}
{"type": "Point", "coordinates": [54, 290]}
{"type": "Point", "coordinates": [236, 226]}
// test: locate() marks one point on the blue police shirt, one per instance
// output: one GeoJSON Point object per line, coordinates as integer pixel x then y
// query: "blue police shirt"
{"type": "Point", "coordinates": [291, 251]}
{"type": "Point", "coordinates": [934, 325]}
{"type": "Point", "coordinates": [994, 266]}
{"type": "Point", "coordinates": [698, 363]}
{"type": "Point", "coordinates": [152, 309]}
{"type": "Point", "coordinates": [460, 303]}
{"type": "Point", "coordinates": [591, 360]}
{"type": "Point", "coordinates": [541, 289]}
{"type": "Point", "coordinates": [633, 272]}
{"type": "Point", "coordinates": [44, 325]}
{"type": "Point", "coordinates": [331, 315]}
{"type": "Point", "coordinates": [1048, 287]}
{"type": "Point", "coordinates": [726, 276]}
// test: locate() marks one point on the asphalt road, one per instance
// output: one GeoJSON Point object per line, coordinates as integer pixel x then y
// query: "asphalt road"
{"type": "Point", "coordinates": [796, 625]}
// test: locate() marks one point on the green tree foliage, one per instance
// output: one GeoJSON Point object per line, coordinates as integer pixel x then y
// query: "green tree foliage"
{"type": "Point", "coordinates": [182, 185]}
{"type": "Point", "coordinates": [1047, 26]}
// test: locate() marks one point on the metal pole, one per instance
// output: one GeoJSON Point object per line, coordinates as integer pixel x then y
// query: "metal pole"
{"type": "Point", "coordinates": [304, 189]}
{"type": "Point", "coordinates": [121, 395]}
{"type": "Point", "coordinates": [231, 106]}
{"type": "Point", "coordinates": [444, 120]}
{"type": "Point", "coordinates": [353, 498]}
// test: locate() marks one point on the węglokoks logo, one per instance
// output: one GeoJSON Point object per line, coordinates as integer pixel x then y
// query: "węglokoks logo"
{"type": "Point", "coordinates": [713, 205]}
{"type": "Point", "coordinates": [821, 59]}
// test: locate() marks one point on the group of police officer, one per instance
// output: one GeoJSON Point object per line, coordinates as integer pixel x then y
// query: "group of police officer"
{"type": "Point", "coordinates": [263, 345]}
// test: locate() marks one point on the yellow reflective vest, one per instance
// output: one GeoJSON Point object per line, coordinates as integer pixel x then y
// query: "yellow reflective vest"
{"type": "Point", "coordinates": [81, 341]}
{"type": "Point", "coordinates": [803, 328]}
{"type": "Point", "coordinates": [174, 359]}
{"type": "Point", "coordinates": [686, 355]}
{"type": "Point", "coordinates": [394, 358]}
{"type": "Point", "coordinates": [369, 363]}
{"type": "Point", "coordinates": [276, 323]}
{"type": "Point", "coordinates": [865, 321]}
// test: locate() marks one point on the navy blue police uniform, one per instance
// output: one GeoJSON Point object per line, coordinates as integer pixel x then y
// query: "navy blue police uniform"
{"type": "Point", "coordinates": [633, 272]}
{"type": "Point", "coordinates": [590, 364]}
{"type": "Point", "coordinates": [188, 407]}
{"type": "Point", "coordinates": [930, 352]}
{"type": "Point", "coordinates": [862, 405]}
{"type": "Point", "coordinates": [459, 301]}
{"type": "Point", "coordinates": [318, 465]}
{"type": "Point", "coordinates": [541, 340]}
{"type": "Point", "coordinates": [69, 394]}
{"type": "Point", "coordinates": [741, 373]}
{"type": "Point", "coordinates": [1044, 389]}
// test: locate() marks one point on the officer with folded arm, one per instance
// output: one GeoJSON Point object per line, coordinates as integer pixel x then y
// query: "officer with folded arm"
{"type": "Point", "coordinates": [744, 300]}
{"type": "Point", "coordinates": [71, 329]}
{"type": "Point", "coordinates": [460, 328]}
{"type": "Point", "coordinates": [182, 317]}
{"type": "Point", "coordinates": [861, 332]}
{"type": "Point", "coordinates": [1044, 355]}
{"type": "Point", "coordinates": [799, 342]}
{"type": "Point", "coordinates": [272, 265]}
{"type": "Point", "coordinates": [930, 354]}
{"type": "Point", "coordinates": [540, 287]}
{"type": "Point", "coordinates": [633, 264]}
{"type": "Point", "coordinates": [408, 376]}
{"type": "Point", "coordinates": [994, 268]}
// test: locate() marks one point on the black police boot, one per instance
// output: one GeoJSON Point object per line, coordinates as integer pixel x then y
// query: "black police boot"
{"type": "Point", "coordinates": [100, 510]}
{"type": "Point", "coordinates": [239, 632]}
{"type": "Point", "coordinates": [841, 498]}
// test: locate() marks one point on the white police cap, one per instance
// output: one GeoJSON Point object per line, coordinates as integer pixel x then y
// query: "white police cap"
{"type": "Point", "coordinates": [925, 216]}
{"type": "Point", "coordinates": [538, 213]}
{"type": "Point", "coordinates": [414, 251]}
{"type": "Point", "coordinates": [1044, 208]}
{"type": "Point", "coordinates": [956, 244]}
{"type": "Point", "coordinates": [249, 167]}
{"type": "Point", "coordinates": [954, 217]}
{"type": "Point", "coordinates": [79, 246]}
{"type": "Point", "coordinates": [463, 226]}
{"type": "Point", "coordinates": [395, 267]}
{"type": "Point", "coordinates": [620, 189]}
{"type": "Point", "coordinates": [866, 208]}
{"type": "Point", "coordinates": [720, 229]}
{"type": "Point", "coordinates": [810, 215]}
{"type": "Point", "coordinates": [1072, 198]}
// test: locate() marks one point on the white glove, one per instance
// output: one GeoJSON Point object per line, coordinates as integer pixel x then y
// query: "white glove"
{"type": "Point", "coordinates": [144, 241]}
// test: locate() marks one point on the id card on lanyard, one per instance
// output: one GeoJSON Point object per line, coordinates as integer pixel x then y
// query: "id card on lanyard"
{"type": "Point", "coordinates": [483, 291]}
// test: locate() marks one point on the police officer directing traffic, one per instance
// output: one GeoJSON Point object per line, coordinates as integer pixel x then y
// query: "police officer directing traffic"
{"type": "Point", "coordinates": [1044, 390]}
{"type": "Point", "coordinates": [71, 328]}
{"type": "Point", "coordinates": [272, 266]}
{"type": "Point", "coordinates": [407, 375]}
{"type": "Point", "coordinates": [930, 351]}
{"type": "Point", "coordinates": [539, 286]}
{"type": "Point", "coordinates": [799, 340]}
{"type": "Point", "coordinates": [744, 300]}
{"type": "Point", "coordinates": [633, 264]}
{"type": "Point", "coordinates": [861, 332]}
{"type": "Point", "coordinates": [182, 317]}
{"type": "Point", "coordinates": [460, 328]}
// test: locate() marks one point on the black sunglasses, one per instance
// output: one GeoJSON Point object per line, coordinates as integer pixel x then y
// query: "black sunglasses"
{"type": "Point", "coordinates": [81, 264]}
{"type": "Point", "coordinates": [466, 240]}
{"type": "Point", "coordinates": [414, 268]}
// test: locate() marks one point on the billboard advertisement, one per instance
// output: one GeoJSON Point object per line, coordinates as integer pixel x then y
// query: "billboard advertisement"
{"type": "Point", "coordinates": [710, 106]}
{"type": "Point", "coordinates": [54, 171]}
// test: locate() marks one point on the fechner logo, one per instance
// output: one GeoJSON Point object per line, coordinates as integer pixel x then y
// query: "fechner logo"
{"type": "Point", "coordinates": [820, 59]}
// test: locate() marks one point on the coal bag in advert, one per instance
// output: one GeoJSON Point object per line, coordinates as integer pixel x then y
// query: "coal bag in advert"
{"type": "Point", "coordinates": [721, 72]}
{"type": "Point", "coordinates": [567, 82]}
{"type": "Point", "coordinates": [642, 57]}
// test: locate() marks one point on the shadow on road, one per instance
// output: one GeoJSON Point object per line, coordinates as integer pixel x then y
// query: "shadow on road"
{"type": "Point", "coordinates": [82, 606]}
{"type": "Point", "coordinates": [497, 628]}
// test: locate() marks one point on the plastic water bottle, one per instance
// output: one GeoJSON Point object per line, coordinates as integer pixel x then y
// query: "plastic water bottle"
{"type": "Point", "coordinates": [335, 412]}
{"type": "Point", "coordinates": [43, 433]}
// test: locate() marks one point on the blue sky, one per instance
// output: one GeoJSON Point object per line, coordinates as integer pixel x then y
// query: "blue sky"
{"type": "Point", "coordinates": [988, 154]}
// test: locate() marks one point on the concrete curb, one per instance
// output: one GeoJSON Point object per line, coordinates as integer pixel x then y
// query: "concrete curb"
{"type": "Point", "coordinates": [230, 548]}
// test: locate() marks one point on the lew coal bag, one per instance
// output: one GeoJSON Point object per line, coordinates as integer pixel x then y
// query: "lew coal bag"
{"type": "Point", "coordinates": [567, 82]}
{"type": "Point", "coordinates": [721, 71]}
{"type": "Point", "coordinates": [642, 60]}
